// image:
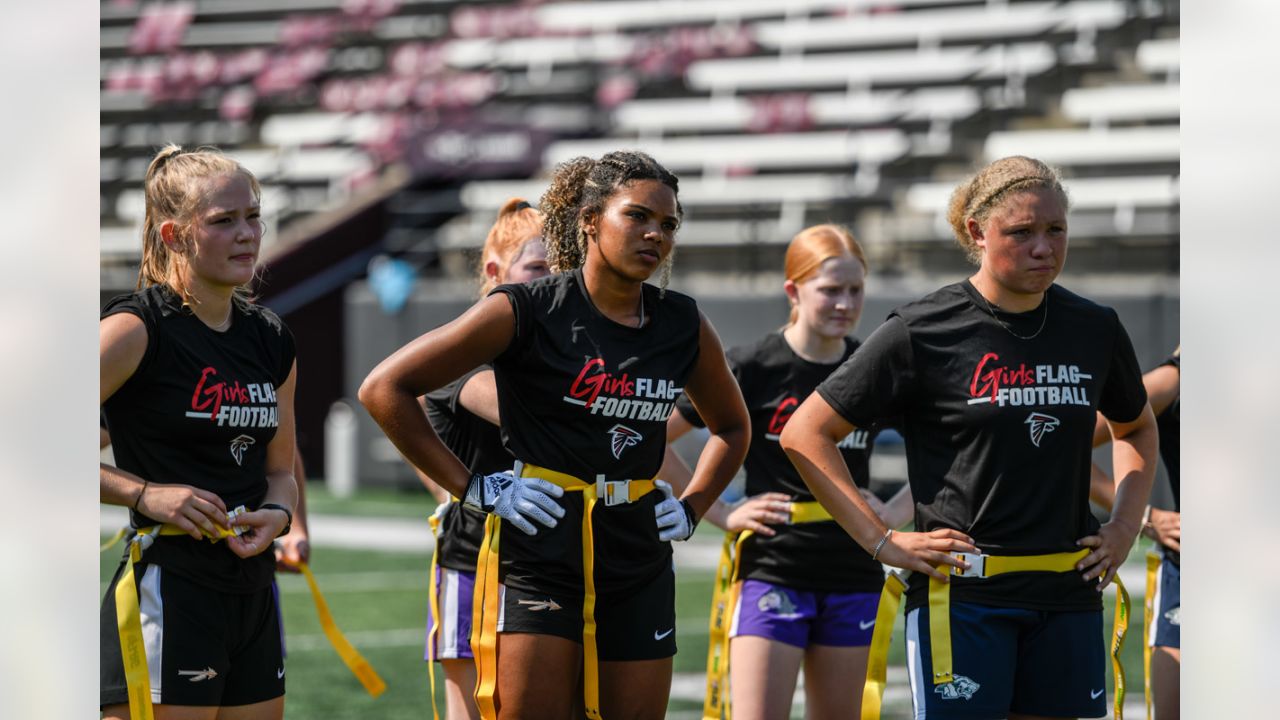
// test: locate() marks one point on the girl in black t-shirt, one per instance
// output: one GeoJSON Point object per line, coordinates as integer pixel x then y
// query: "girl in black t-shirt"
{"type": "Point", "coordinates": [805, 593]}
{"type": "Point", "coordinates": [588, 364]}
{"type": "Point", "coordinates": [465, 415]}
{"type": "Point", "coordinates": [995, 382]}
{"type": "Point", "coordinates": [197, 389]}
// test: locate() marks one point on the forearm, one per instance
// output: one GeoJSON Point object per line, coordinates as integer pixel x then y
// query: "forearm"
{"type": "Point", "coordinates": [1133, 458]}
{"type": "Point", "coordinates": [118, 487]}
{"type": "Point", "coordinates": [300, 512]}
{"type": "Point", "coordinates": [405, 424]}
{"type": "Point", "coordinates": [720, 459]}
{"type": "Point", "coordinates": [282, 489]}
{"type": "Point", "coordinates": [439, 494]}
{"type": "Point", "coordinates": [823, 470]}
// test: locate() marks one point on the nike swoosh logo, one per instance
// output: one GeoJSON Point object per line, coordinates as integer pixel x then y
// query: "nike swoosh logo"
{"type": "Point", "coordinates": [1095, 693]}
{"type": "Point", "coordinates": [280, 673]}
{"type": "Point", "coordinates": [866, 625]}
{"type": "Point", "coordinates": [658, 636]}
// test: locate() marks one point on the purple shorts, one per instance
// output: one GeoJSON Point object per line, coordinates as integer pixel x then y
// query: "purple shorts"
{"type": "Point", "coordinates": [456, 588]}
{"type": "Point", "coordinates": [802, 618]}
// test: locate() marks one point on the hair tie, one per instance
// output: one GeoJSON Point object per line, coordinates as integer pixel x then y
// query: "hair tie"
{"type": "Point", "coordinates": [522, 205]}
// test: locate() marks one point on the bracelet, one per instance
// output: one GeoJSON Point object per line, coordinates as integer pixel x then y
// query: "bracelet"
{"type": "Point", "coordinates": [139, 498]}
{"type": "Point", "coordinates": [1146, 517]}
{"type": "Point", "coordinates": [880, 545]}
{"type": "Point", "coordinates": [288, 523]}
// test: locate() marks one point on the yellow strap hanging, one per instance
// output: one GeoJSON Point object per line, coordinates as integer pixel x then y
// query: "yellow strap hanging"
{"type": "Point", "coordinates": [484, 629]}
{"type": "Point", "coordinates": [433, 599]}
{"type": "Point", "coordinates": [878, 653]}
{"type": "Point", "coordinates": [1120, 627]}
{"type": "Point", "coordinates": [354, 661]}
{"type": "Point", "coordinates": [724, 601]}
{"type": "Point", "coordinates": [484, 619]}
{"type": "Point", "coordinates": [1149, 617]}
{"type": "Point", "coordinates": [114, 539]}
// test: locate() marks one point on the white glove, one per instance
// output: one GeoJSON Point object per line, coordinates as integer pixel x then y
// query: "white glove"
{"type": "Point", "coordinates": [515, 499]}
{"type": "Point", "coordinates": [674, 517]}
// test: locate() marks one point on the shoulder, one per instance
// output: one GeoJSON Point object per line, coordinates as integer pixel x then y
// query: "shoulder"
{"type": "Point", "coordinates": [940, 304]}
{"type": "Point", "coordinates": [1067, 300]}
{"type": "Point", "coordinates": [264, 317]}
{"type": "Point", "coordinates": [754, 353]}
{"type": "Point", "coordinates": [150, 304]}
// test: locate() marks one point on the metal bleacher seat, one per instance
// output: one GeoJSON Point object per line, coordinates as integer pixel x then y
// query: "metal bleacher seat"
{"type": "Point", "coordinates": [1159, 57]}
{"type": "Point", "coordinates": [1099, 106]}
{"type": "Point", "coordinates": [991, 22]}
{"type": "Point", "coordinates": [631, 14]}
{"type": "Point", "coordinates": [1073, 147]}
{"type": "Point", "coordinates": [860, 69]}
{"type": "Point", "coordinates": [318, 128]}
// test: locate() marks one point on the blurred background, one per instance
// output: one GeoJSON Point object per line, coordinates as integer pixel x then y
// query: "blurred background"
{"type": "Point", "coordinates": [387, 133]}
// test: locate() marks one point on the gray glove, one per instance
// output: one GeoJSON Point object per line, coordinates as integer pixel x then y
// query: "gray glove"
{"type": "Point", "coordinates": [675, 518]}
{"type": "Point", "coordinates": [515, 499]}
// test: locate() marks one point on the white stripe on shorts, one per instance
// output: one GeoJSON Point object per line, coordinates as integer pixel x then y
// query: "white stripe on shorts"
{"type": "Point", "coordinates": [502, 608]}
{"type": "Point", "coordinates": [448, 637]}
{"type": "Point", "coordinates": [151, 607]}
{"type": "Point", "coordinates": [1155, 603]}
{"type": "Point", "coordinates": [915, 664]}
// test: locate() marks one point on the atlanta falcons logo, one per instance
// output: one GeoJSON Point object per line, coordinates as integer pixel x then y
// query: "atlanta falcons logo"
{"type": "Point", "coordinates": [1041, 424]}
{"type": "Point", "coordinates": [623, 438]}
{"type": "Point", "coordinates": [239, 445]}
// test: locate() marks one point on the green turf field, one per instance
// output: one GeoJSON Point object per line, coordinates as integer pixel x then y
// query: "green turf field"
{"type": "Point", "coordinates": [379, 601]}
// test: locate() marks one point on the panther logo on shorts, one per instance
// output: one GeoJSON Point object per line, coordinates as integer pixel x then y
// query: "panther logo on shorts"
{"type": "Point", "coordinates": [778, 603]}
{"type": "Point", "coordinates": [1174, 616]}
{"type": "Point", "coordinates": [959, 687]}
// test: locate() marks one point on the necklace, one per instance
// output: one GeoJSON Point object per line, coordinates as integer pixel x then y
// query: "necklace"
{"type": "Point", "coordinates": [641, 323]}
{"type": "Point", "coordinates": [1008, 329]}
{"type": "Point", "coordinates": [226, 322]}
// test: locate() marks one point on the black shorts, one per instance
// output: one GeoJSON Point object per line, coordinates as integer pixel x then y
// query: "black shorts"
{"type": "Point", "coordinates": [204, 647]}
{"type": "Point", "coordinates": [637, 625]}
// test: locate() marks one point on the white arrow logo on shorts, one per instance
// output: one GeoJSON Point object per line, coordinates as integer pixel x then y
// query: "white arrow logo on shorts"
{"type": "Point", "coordinates": [536, 605]}
{"type": "Point", "coordinates": [198, 675]}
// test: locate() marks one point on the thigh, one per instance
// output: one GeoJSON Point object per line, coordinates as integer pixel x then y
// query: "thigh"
{"type": "Point", "coordinates": [459, 689]}
{"type": "Point", "coordinates": [984, 651]}
{"type": "Point", "coordinates": [1062, 666]}
{"type": "Point", "coordinates": [762, 677]}
{"type": "Point", "coordinates": [537, 676]}
{"type": "Point", "coordinates": [833, 680]}
{"type": "Point", "coordinates": [635, 689]}
{"type": "Point", "coordinates": [455, 590]}
{"type": "Point", "coordinates": [1166, 665]}
{"type": "Point", "coordinates": [638, 625]}
{"type": "Point", "coordinates": [774, 612]}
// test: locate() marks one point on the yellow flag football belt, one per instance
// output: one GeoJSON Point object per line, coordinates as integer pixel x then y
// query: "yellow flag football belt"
{"type": "Point", "coordinates": [981, 566]}
{"type": "Point", "coordinates": [485, 610]}
{"type": "Point", "coordinates": [724, 599]}
{"type": "Point", "coordinates": [129, 621]}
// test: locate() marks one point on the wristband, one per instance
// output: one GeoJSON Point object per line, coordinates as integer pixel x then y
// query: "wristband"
{"type": "Point", "coordinates": [474, 495]}
{"type": "Point", "coordinates": [288, 523]}
{"type": "Point", "coordinates": [139, 498]}
{"type": "Point", "coordinates": [693, 517]}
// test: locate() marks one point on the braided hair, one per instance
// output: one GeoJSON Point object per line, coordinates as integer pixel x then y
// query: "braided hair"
{"type": "Point", "coordinates": [977, 196]}
{"type": "Point", "coordinates": [581, 185]}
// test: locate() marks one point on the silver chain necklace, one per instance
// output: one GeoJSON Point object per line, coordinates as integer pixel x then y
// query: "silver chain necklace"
{"type": "Point", "coordinates": [1008, 329]}
{"type": "Point", "coordinates": [641, 323]}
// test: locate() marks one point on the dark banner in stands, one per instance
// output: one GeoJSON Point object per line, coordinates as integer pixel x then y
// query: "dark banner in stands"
{"type": "Point", "coordinates": [476, 151]}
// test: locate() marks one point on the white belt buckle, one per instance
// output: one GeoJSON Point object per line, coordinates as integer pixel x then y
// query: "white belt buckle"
{"type": "Point", "coordinates": [977, 565]}
{"type": "Point", "coordinates": [613, 492]}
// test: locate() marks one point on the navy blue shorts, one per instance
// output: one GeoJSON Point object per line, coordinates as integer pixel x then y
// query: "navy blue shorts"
{"type": "Point", "coordinates": [1166, 630]}
{"type": "Point", "coordinates": [1010, 660]}
{"type": "Point", "coordinates": [803, 618]}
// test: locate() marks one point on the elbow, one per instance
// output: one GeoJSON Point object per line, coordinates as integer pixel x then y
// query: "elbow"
{"type": "Point", "coordinates": [373, 387]}
{"type": "Point", "coordinates": [788, 438]}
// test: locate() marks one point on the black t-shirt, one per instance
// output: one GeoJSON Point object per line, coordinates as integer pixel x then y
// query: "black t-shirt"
{"type": "Point", "coordinates": [998, 429]}
{"type": "Point", "coordinates": [1169, 423]}
{"type": "Point", "coordinates": [200, 410]}
{"type": "Point", "coordinates": [478, 445]}
{"type": "Point", "coordinates": [811, 556]}
{"type": "Point", "coordinates": [583, 395]}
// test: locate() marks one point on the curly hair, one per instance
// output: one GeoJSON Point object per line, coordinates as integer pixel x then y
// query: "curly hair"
{"type": "Point", "coordinates": [174, 189]}
{"type": "Point", "coordinates": [584, 185]}
{"type": "Point", "coordinates": [977, 196]}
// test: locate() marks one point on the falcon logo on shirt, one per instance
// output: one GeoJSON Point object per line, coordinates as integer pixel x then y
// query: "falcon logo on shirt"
{"type": "Point", "coordinates": [239, 445]}
{"type": "Point", "coordinates": [623, 438]}
{"type": "Point", "coordinates": [1041, 424]}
